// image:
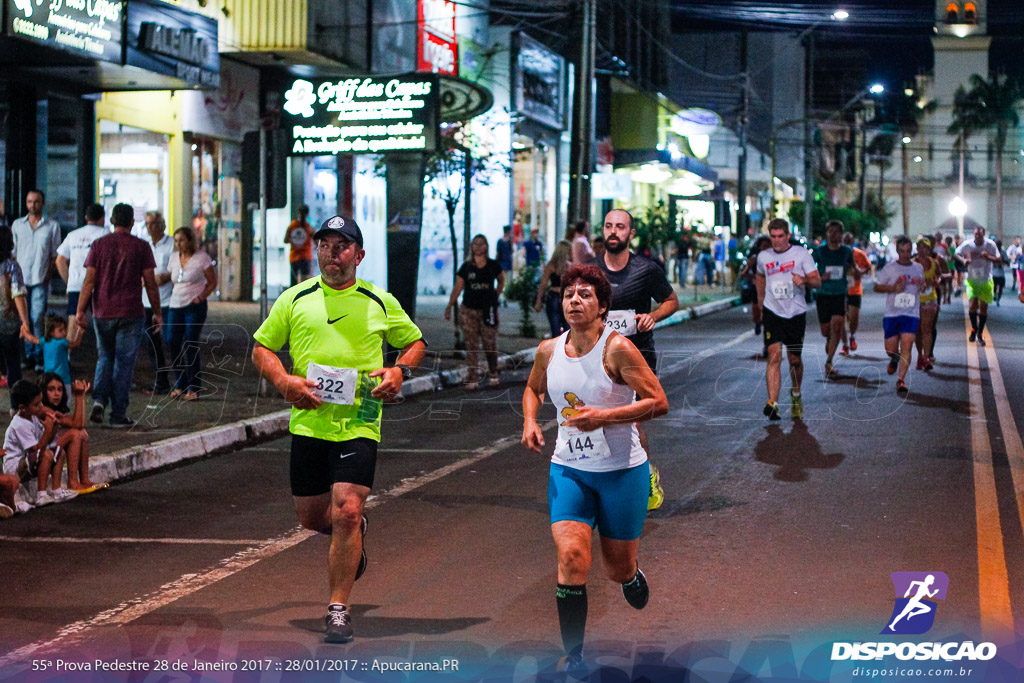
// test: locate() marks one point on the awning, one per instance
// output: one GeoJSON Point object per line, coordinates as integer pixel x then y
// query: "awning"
{"type": "Point", "coordinates": [677, 162]}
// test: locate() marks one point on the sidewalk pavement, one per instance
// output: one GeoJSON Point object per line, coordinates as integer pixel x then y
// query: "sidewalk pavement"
{"type": "Point", "coordinates": [231, 410]}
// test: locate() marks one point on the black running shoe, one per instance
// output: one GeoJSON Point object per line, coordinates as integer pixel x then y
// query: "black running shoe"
{"type": "Point", "coordinates": [362, 558]}
{"type": "Point", "coordinates": [974, 335]}
{"type": "Point", "coordinates": [96, 416]}
{"type": "Point", "coordinates": [339, 625]}
{"type": "Point", "coordinates": [636, 591]}
{"type": "Point", "coordinates": [771, 411]}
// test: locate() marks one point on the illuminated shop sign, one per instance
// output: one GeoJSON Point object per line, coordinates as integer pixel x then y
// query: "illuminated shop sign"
{"type": "Point", "coordinates": [538, 82]}
{"type": "Point", "coordinates": [168, 40]}
{"type": "Point", "coordinates": [438, 46]}
{"type": "Point", "coordinates": [90, 28]}
{"type": "Point", "coordinates": [362, 115]}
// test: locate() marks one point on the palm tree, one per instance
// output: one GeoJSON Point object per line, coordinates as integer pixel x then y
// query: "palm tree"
{"type": "Point", "coordinates": [989, 104]}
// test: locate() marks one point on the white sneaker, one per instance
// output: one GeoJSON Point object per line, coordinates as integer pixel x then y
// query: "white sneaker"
{"type": "Point", "coordinates": [43, 498]}
{"type": "Point", "coordinates": [6, 512]}
{"type": "Point", "coordinates": [63, 495]}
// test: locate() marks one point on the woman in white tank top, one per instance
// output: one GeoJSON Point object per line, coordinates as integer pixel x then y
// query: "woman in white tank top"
{"type": "Point", "coordinates": [601, 387]}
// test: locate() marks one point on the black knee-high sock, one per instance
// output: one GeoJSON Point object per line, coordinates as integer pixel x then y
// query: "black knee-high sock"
{"type": "Point", "coordinates": [974, 320]}
{"type": "Point", "coordinates": [982, 318]}
{"type": "Point", "coordinates": [572, 616]}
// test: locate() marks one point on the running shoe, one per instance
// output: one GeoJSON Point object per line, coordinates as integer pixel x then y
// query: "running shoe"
{"type": "Point", "coordinates": [757, 328]}
{"type": "Point", "coordinates": [891, 369]}
{"type": "Point", "coordinates": [339, 624]}
{"type": "Point", "coordinates": [901, 387]}
{"type": "Point", "coordinates": [796, 408]}
{"type": "Point", "coordinates": [974, 335]}
{"type": "Point", "coordinates": [928, 365]}
{"type": "Point", "coordinates": [853, 343]}
{"type": "Point", "coordinates": [361, 569]}
{"type": "Point", "coordinates": [920, 362]}
{"type": "Point", "coordinates": [96, 415]}
{"type": "Point", "coordinates": [981, 340]}
{"type": "Point", "coordinates": [830, 370]}
{"type": "Point", "coordinates": [43, 498]}
{"type": "Point", "coordinates": [845, 351]}
{"type": "Point", "coordinates": [655, 494]}
{"type": "Point", "coordinates": [636, 591]}
{"type": "Point", "coordinates": [771, 411]}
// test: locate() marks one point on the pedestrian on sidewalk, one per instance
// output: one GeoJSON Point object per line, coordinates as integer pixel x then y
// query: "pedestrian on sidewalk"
{"type": "Point", "coordinates": [14, 320]}
{"type": "Point", "coordinates": [582, 252]}
{"type": "Point", "coordinates": [335, 328]}
{"type": "Point", "coordinates": [194, 281]}
{"type": "Point", "coordinates": [482, 280]}
{"type": "Point", "coordinates": [299, 236]}
{"type": "Point", "coordinates": [163, 248]}
{"type": "Point", "coordinates": [116, 268]}
{"type": "Point", "coordinates": [36, 238]}
{"type": "Point", "coordinates": [71, 256]}
{"type": "Point", "coordinates": [549, 293]}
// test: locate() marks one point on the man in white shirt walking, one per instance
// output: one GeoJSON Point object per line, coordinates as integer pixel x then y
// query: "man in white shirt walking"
{"type": "Point", "coordinates": [71, 258]}
{"type": "Point", "coordinates": [36, 238]}
{"type": "Point", "coordinates": [162, 245]}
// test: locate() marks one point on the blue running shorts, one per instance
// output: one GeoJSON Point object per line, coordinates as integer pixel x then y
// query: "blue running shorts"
{"type": "Point", "coordinates": [896, 325]}
{"type": "Point", "coordinates": [615, 503]}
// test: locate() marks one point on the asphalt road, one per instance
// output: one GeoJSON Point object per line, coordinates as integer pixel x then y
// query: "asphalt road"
{"type": "Point", "coordinates": [775, 540]}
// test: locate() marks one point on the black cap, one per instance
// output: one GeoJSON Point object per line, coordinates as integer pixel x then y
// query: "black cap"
{"type": "Point", "coordinates": [346, 227]}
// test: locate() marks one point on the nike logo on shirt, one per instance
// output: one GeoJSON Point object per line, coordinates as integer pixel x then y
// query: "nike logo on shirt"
{"type": "Point", "coordinates": [331, 322]}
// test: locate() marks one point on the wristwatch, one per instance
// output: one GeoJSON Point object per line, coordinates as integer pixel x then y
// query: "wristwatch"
{"type": "Point", "coordinates": [406, 370]}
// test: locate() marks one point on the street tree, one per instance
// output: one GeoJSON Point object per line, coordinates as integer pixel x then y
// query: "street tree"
{"type": "Point", "coordinates": [990, 104]}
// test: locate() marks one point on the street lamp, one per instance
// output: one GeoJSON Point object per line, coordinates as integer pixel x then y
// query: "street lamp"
{"type": "Point", "coordinates": [958, 208]}
{"type": "Point", "coordinates": [876, 89]}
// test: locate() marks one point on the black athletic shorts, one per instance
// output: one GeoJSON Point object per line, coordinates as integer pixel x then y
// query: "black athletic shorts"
{"type": "Point", "coordinates": [651, 356]}
{"type": "Point", "coordinates": [829, 306]}
{"type": "Point", "coordinates": [789, 331]}
{"type": "Point", "coordinates": [316, 465]}
{"type": "Point", "coordinates": [853, 300]}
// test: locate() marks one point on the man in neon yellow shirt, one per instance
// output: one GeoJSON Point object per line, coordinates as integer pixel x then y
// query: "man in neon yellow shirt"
{"type": "Point", "coordinates": [335, 326]}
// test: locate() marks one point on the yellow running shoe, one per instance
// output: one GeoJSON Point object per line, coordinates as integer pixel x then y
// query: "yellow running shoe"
{"type": "Point", "coordinates": [656, 495]}
{"type": "Point", "coordinates": [796, 408]}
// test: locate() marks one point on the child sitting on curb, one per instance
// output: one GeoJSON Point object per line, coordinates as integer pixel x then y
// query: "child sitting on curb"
{"type": "Point", "coordinates": [28, 443]}
{"type": "Point", "coordinates": [71, 436]}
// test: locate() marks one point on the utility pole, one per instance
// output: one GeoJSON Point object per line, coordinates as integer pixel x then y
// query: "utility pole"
{"type": "Point", "coordinates": [582, 116]}
{"type": "Point", "coordinates": [808, 135]}
{"type": "Point", "coordinates": [864, 166]}
{"type": "Point", "coordinates": [741, 171]}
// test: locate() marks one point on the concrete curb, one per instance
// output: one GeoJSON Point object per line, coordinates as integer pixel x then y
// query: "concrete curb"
{"type": "Point", "coordinates": [137, 460]}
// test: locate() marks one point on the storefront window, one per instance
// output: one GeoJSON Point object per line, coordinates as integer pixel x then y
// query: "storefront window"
{"type": "Point", "coordinates": [134, 169]}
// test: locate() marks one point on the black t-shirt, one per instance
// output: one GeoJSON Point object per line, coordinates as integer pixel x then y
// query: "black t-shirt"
{"type": "Point", "coordinates": [481, 287]}
{"type": "Point", "coordinates": [634, 287]}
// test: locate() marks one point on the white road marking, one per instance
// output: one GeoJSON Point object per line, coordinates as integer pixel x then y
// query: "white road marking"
{"type": "Point", "coordinates": [706, 353]}
{"type": "Point", "coordinates": [168, 541]}
{"type": "Point", "coordinates": [188, 584]}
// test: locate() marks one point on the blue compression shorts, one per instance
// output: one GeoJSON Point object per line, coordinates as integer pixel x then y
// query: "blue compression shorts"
{"type": "Point", "coordinates": [613, 502]}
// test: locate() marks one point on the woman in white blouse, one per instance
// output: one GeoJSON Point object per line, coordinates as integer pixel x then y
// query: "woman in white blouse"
{"type": "Point", "coordinates": [194, 280]}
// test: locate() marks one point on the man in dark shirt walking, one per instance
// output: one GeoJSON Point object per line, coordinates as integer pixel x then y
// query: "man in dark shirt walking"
{"type": "Point", "coordinates": [114, 269]}
{"type": "Point", "coordinates": [635, 282]}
